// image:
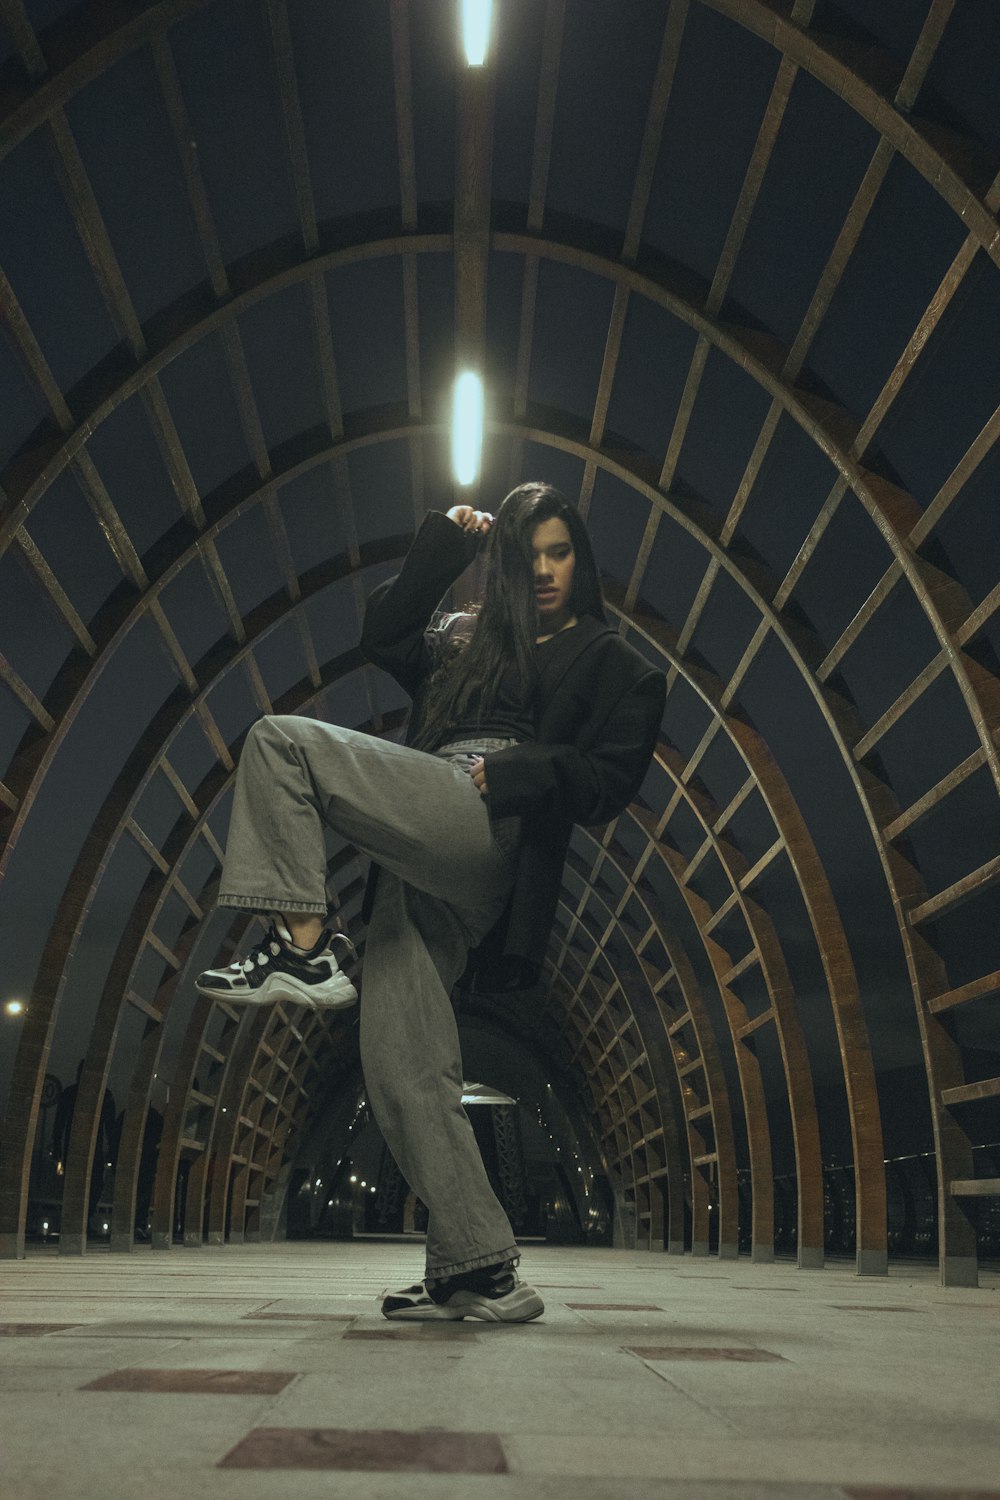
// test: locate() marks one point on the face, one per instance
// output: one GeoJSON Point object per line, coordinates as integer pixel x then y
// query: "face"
{"type": "Point", "coordinates": [554, 562]}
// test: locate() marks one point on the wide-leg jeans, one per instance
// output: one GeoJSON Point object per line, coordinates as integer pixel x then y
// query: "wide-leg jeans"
{"type": "Point", "coordinates": [446, 872]}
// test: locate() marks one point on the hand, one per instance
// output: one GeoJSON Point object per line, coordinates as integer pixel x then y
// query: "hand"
{"type": "Point", "coordinates": [469, 519]}
{"type": "Point", "coordinates": [478, 774]}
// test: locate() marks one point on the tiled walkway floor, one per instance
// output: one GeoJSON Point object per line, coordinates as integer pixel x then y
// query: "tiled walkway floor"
{"type": "Point", "coordinates": [255, 1371]}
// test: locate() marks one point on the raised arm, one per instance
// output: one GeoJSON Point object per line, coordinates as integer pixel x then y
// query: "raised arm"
{"type": "Point", "coordinates": [399, 611]}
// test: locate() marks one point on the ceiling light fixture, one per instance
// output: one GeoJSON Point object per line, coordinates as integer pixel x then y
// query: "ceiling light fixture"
{"type": "Point", "coordinates": [467, 428]}
{"type": "Point", "coordinates": [476, 30]}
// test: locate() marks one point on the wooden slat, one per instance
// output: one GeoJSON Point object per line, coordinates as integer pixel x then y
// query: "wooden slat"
{"type": "Point", "coordinates": [767, 859]}
{"type": "Point", "coordinates": [22, 34]}
{"type": "Point", "coordinates": [989, 984]}
{"type": "Point", "coordinates": [970, 885]}
{"type": "Point", "coordinates": [17, 685]}
{"type": "Point", "coordinates": [937, 793]}
{"type": "Point", "coordinates": [180, 124]}
{"type": "Point", "coordinates": [748, 961]}
{"type": "Point", "coordinates": [923, 53]}
{"type": "Point", "coordinates": [902, 705]}
{"type": "Point", "coordinates": [864, 617]}
{"type": "Point", "coordinates": [976, 1187]}
{"type": "Point", "coordinates": [749, 1027]}
{"type": "Point", "coordinates": [653, 132]}
{"type": "Point", "coordinates": [152, 853]}
{"type": "Point", "coordinates": [971, 1093]}
{"type": "Point", "coordinates": [959, 476]}
{"type": "Point", "coordinates": [139, 1003]}
{"type": "Point", "coordinates": [295, 135]}
{"type": "Point", "coordinates": [402, 75]}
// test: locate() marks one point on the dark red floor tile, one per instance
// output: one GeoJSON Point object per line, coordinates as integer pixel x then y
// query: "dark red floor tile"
{"type": "Point", "coordinates": [368, 1451]}
{"type": "Point", "coordinates": [891, 1492]}
{"type": "Point", "coordinates": [33, 1330]}
{"type": "Point", "coordinates": [872, 1307]}
{"type": "Point", "coordinates": [736, 1356]}
{"type": "Point", "coordinates": [195, 1382]}
{"type": "Point", "coordinates": [412, 1331]}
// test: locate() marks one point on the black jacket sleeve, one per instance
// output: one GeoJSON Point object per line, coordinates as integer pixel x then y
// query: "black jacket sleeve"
{"type": "Point", "coordinates": [399, 611]}
{"type": "Point", "coordinates": [588, 782]}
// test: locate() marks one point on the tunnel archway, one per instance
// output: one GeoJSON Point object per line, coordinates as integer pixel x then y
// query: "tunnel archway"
{"type": "Point", "coordinates": [754, 339]}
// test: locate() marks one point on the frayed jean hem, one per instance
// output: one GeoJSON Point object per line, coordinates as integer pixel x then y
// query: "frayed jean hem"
{"type": "Point", "coordinates": [496, 1257]}
{"type": "Point", "coordinates": [274, 903]}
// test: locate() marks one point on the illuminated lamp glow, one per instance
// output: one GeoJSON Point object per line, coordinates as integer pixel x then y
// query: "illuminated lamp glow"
{"type": "Point", "coordinates": [467, 428]}
{"type": "Point", "coordinates": [14, 1007]}
{"type": "Point", "coordinates": [476, 30]}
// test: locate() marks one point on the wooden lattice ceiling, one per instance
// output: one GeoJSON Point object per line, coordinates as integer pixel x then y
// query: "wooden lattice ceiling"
{"type": "Point", "coordinates": [731, 267]}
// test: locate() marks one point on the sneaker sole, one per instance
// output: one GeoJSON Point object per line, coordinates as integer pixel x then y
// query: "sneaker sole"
{"type": "Point", "coordinates": [333, 994]}
{"type": "Point", "coordinates": [519, 1306]}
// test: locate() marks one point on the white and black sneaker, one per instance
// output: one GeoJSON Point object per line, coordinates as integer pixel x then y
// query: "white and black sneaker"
{"type": "Point", "coordinates": [494, 1294]}
{"type": "Point", "coordinates": [275, 970]}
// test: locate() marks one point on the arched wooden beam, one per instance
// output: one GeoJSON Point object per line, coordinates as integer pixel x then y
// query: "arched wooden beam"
{"type": "Point", "coordinates": [632, 979]}
{"type": "Point", "coordinates": [82, 61]}
{"type": "Point", "coordinates": [893, 511]}
{"type": "Point", "coordinates": [631, 478]}
{"type": "Point", "coordinates": [824, 918]}
{"type": "Point", "coordinates": [691, 1007]}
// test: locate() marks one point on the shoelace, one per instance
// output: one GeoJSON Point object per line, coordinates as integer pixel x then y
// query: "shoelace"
{"type": "Point", "coordinates": [259, 957]}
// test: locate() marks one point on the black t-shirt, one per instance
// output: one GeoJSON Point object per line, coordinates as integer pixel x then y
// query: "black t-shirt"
{"type": "Point", "coordinates": [512, 717]}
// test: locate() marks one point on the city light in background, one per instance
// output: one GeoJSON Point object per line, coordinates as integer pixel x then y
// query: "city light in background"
{"type": "Point", "coordinates": [467, 428]}
{"type": "Point", "coordinates": [476, 30]}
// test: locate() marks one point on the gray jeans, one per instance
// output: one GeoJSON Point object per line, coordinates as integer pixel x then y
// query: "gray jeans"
{"type": "Point", "coordinates": [446, 872]}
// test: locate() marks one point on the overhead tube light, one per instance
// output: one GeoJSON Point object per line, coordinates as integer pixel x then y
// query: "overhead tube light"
{"type": "Point", "coordinates": [467, 428]}
{"type": "Point", "coordinates": [476, 30]}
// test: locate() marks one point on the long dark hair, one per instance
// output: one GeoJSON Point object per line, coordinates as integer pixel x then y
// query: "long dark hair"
{"type": "Point", "coordinates": [466, 680]}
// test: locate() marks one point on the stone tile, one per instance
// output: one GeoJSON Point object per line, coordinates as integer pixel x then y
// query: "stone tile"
{"type": "Point", "coordinates": [452, 1392]}
{"type": "Point", "coordinates": [371, 1450]}
{"type": "Point", "coordinates": [875, 1307]}
{"type": "Point", "coordinates": [190, 1329]}
{"type": "Point", "coordinates": [745, 1460]}
{"type": "Point", "coordinates": [195, 1381]}
{"type": "Point", "coordinates": [63, 1351]}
